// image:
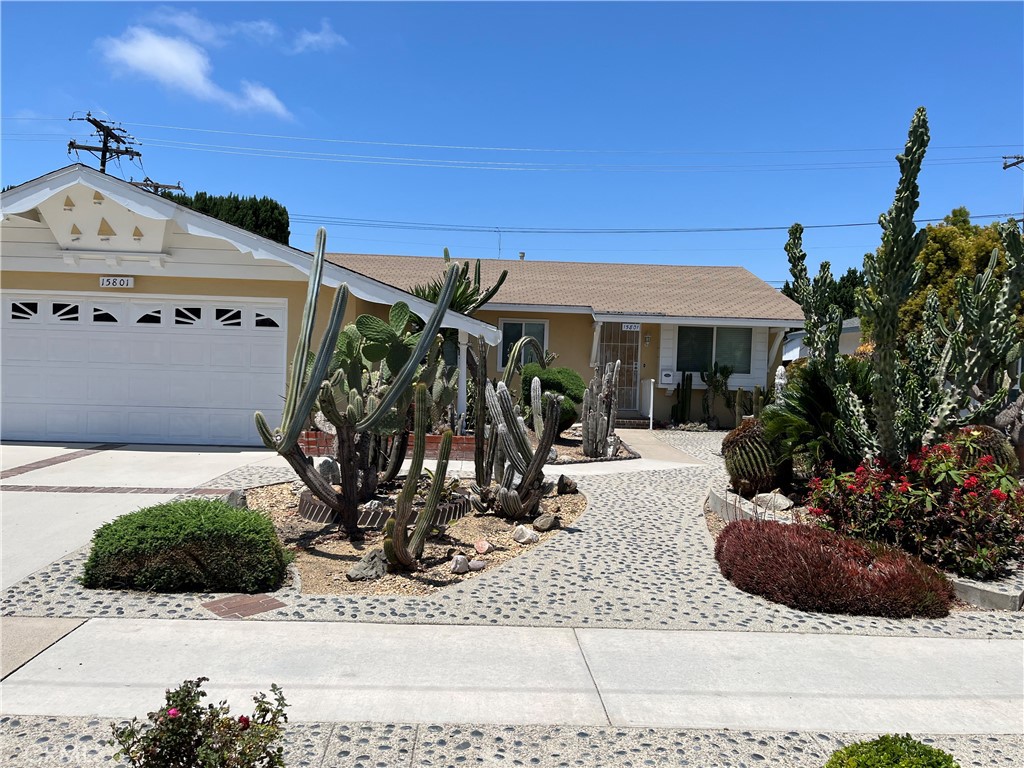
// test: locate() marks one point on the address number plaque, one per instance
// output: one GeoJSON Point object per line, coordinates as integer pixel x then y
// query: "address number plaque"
{"type": "Point", "coordinates": [117, 282]}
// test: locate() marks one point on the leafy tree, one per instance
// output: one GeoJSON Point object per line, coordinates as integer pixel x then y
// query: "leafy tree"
{"type": "Point", "coordinates": [841, 293]}
{"type": "Point", "coordinates": [955, 248]}
{"type": "Point", "coordinates": [259, 215]}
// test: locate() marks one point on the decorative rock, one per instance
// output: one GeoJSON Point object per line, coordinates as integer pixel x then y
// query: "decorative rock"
{"type": "Point", "coordinates": [237, 499]}
{"type": "Point", "coordinates": [483, 546]}
{"type": "Point", "coordinates": [773, 502]}
{"type": "Point", "coordinates": [524, 535]}
{"type": "Point", "coordinates": [477, 565]}
{"type": "Point", "coordinates": [566, 485]}
{"type": "Point", "coordinates": [545, 522]}
{"type": "Point", "coordinates": [373, 565]}
{"type": "Point", "coordinates": [460, 564]}
{"type": "Point", "coordinates": [328, 468]}
{"type": "Point", "coordinates": [552, 456]}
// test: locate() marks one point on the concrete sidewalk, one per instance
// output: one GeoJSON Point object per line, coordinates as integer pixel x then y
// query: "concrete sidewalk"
{"type": "Point", "coordinates": [540, 676]}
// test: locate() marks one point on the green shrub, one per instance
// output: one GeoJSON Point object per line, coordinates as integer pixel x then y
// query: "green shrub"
{"type": "Point", "coordinates": [196, 545]}
{"type": "Point", "coordinates": [184, 733]}
{"type": "Point", "coordinates": [891, 752]}
{"type": "Point", "coordinates": [956, 512]}
{"type": "Point", "coordinates": [811, 569]}
{"type": "Point", "coordinates": [564, 381]}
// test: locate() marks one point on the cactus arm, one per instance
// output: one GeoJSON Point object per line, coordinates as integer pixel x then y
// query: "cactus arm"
{"type": "Point", "coordinates": [481, 464]}
{"type": "Point", "coordinates": [292, 393]}
{"type": "Point", "coordinates": [489, 293]}
{"type": "Point", "coordinates": [396, 545]}
{"type": "Point", "coordinates": [428, 514]}
{"type": "Point", "coordinates": [535, 400]}
{"type": "Point", "coordinates": [515, 357]}
{"type": "Point", "coordinates": [404, 377]}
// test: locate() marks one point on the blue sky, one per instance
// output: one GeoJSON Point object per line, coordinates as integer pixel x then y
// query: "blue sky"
{"type": "Point", "coordinates": [664, 116]}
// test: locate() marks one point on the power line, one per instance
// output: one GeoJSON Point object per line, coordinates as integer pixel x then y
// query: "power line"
{"type": "Point", "coordinates": [433, 227]}
{"type": "Point", "coordinates": [481, 148]}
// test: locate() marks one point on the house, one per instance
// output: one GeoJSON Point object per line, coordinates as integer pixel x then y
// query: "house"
{"type": "Point", "coordinates": [849, 339]}
{"type": "Point", "coordinates": [129, 318]}
{"type": "Point", "coordinates": [660, 321]}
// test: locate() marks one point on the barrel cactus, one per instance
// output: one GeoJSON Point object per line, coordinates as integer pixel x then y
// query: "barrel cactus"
{"type": "Point", "coordinates": [750, 459]}
{"type": "Point", "coordinates": [979, 440]}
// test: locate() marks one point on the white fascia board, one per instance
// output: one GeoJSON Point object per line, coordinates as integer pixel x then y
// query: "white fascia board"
{"type": "Point", "coordinates": [743, 322]}
{"type": "Point", "coordinates": [153, 206]}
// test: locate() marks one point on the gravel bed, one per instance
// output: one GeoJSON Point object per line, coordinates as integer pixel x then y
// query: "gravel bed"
{"type": "Point", "coordinates": [639, 558]}
{"type": "Point", "coordinates": [39, 741]}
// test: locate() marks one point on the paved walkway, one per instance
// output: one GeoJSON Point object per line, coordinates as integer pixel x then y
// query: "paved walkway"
{"type": "Point", "coordinates": [591, 650]}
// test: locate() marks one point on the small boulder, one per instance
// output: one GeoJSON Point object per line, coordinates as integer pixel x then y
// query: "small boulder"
{"type": "Point", "coordinates": [329, 469]}
{"type": "Point", "coordinates": [483, 546]}
{"type": "Point", "coordinates": [552, 456]}
{"type": "Point", "coordinates": [773, 502]}
{"type": "Point", "coordinates": [566, 485]}
{"type": "Point", "coordinates": [460, 564]}
{"type": "Point", "coordinates": [237, 499]}
{"type": "Point", "coordinates": [524, 535]}
{"type": "Point", "coordinates": [372, 565]}
{"type": "Point", "coordinates": [477, 565]}
{"type": "Point", "coordinates": [545, 522]}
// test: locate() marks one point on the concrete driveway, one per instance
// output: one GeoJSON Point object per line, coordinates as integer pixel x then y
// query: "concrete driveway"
{"type": "Point", "coordinates": [55, 495]}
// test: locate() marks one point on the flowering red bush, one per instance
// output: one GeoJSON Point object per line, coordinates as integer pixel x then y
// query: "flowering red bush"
{"type": "Point", "coordinates": [960, 515]}
{"type": "Point", "coordinates": [811, 569]}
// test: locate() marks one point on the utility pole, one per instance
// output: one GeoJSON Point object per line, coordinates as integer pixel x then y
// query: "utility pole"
{"type": "Point", "coordinates": [1012, 161]}
{"type": "Point", "coordinates": [152, 186]}
{"type": "Point", "coordinates": [115, 142]}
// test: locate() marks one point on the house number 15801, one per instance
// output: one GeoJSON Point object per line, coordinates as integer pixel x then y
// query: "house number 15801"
{"type": "Point", "coordinates": [117, 282]}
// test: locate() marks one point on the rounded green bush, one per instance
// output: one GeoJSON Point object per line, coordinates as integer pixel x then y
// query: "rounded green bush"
{"type": "Point", "coordinates": [891, 752]}
{"type": "Point", "coordinates": [564, 381]}
{"type": "Point", "coordinates": [196, 545]}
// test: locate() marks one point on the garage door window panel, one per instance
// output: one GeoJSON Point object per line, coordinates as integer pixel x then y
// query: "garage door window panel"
{"type": "Point", "coordinates": [65, 312]}
{"type": "Point", "coordinates": [24, 311]}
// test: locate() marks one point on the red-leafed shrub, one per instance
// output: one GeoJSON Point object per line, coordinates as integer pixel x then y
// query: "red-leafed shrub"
{"type": "Point", "coordinates": [811, 569]}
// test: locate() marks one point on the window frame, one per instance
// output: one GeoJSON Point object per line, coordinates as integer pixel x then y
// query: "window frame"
{"type": "Point", "coordinates": [521, 320]}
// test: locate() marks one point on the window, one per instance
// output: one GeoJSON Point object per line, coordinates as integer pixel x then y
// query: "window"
{"type": "Point", "coordinates": [187, 315]}
{"type": "Point", "coordinates": [228, 317]}
{"type": "Point", "coordinates": [24, 310]}
{"type": "Point", "coordinates": [694, 348]}
{"type": "Point", "coordinates": [513, 330]}
{"type": "Point", "coordinates": [732, 348]}
{"type": "Point", "coordinates": [65, 312]}
{"type": "Point", "coordinates": [697, 347]}
{"type": "Point", "coordinates": [265, 321]}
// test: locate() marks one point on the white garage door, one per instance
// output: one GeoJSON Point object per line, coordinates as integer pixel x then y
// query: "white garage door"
{"type": "Point", "coordinates": [142, 369]}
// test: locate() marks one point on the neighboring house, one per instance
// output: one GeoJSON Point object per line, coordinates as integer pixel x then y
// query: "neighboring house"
{"type": "Point", "coordinates": [129, 318]}
{"type": "Point", "coordinates": [849, 339]}
{"type": "Point", "coordinates": [660, 321]}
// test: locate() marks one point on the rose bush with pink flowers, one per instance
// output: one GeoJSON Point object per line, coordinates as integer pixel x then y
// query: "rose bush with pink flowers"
{"type": "Point", "coordinates": [959, 515]}
{"type": "Point", "coordinates": [185, 734]}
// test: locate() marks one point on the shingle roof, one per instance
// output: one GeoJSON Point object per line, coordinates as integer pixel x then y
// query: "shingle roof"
{"type": "Point", "coordinates": [630, 289]}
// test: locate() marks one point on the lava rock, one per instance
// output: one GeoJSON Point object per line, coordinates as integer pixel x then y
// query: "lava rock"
{"type": "Point", "coordinates": [524, 535]}
{"type": "Point", "coordinates": [373, 565]}
{"type": "Point", "coordinates": [329, 469]}
{"type": "Point", "coordinates": [477, 565]}
{"type": "Point", "coordinates": [460, 564]}
{"type": "Point", "coordinates": [545, 522]}
{"type": "Point", "coordinates": [566, 485]}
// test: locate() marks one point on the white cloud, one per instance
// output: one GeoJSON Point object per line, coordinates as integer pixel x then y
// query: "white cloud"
{"type": "Point", "coordinates": [323, 40]}
{"type": "Point", "coordinates": [181, 65]}
{"type": "Point", "coordinates": [208, 33]}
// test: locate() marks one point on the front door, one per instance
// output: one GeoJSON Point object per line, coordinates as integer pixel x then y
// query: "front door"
{"type": "Point", "coordinates": [621, 341]}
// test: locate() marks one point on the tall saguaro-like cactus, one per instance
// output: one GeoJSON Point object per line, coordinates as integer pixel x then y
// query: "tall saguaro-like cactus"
{"type": "Point", "coordinates": [356, 403]}
{"type": "Point", "coordinates": [600, 409]}
{"type": "Point", "coordinates": [890, 276]}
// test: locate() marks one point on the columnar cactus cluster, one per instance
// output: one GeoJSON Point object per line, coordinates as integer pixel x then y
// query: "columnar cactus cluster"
{"type": "Point", "coordinates": [956, 371]}
{"type": "Point", "coordinates": [517, 500]}
{"type": "Point", "coordinates": [600, 409]}
{"type": "Point", "coordinates": [367, 394]}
